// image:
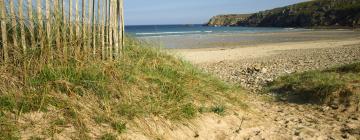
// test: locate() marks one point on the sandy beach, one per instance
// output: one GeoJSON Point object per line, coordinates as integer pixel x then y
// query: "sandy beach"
{"type": "Point", "coordinates": [293, 53]}
{"type": "Point", "coordinates": [213, 55]}
{"type": "Point", "coordinates": [255, 65]}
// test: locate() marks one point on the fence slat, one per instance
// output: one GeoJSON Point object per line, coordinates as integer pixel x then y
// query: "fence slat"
{"type": "Point", "coordinates": [98, 21]}
{"type": "Point", "coordinates": [40, 23]}
{"type": "Point", "coordinates": [111, 30]}
{"type": "Point", "coordinates": [64, 30]}
{"type": "Point", "coordinates": [94, 25]}
{"type": "Point", "coordinates": [122, 36]}
{"type": "Point", "coordinates": [47, 18]}
{"type": "Point", "coordinates": [57, 25]}
{"type": "Point", "coordinates": [89, 25]}
{"type": "Point", "coordinates": [70, 19]}
{"type": "Point", "coordinates": [115, 29]}
{"type": "Point", "coordinates": [22, 27]}
{"type": "Point", "coordinates": [13, 23]}
{"type": "Point", "coordinates": [103, 23]}
{"type": "Point", "coordinates": [77, 19]}
{"type": "Point", "coordinates": [107, 30]}
{"type": "Point", "coordinates": [98, 31]}
{"type": "Point", "coordinates": [83, 21]}
{"type": "Point", "coordinates": [120, 28]}
{"type": "Point", "coordinates": [4, 31]}
{"type": "Point", "coordinates": [31, 23]}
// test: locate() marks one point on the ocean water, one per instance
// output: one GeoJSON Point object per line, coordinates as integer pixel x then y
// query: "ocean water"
{"type": "Point", "coordinates": [181, 30]}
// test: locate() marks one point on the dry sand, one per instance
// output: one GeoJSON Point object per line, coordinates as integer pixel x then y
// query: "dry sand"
{"type": "Point", "coordinates": [214, 55]}
{"type": "Point", "coordinates": [265, 119]}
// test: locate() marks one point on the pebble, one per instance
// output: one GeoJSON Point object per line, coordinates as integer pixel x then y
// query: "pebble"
{"type": "Point", "coordinates": [254, 74]}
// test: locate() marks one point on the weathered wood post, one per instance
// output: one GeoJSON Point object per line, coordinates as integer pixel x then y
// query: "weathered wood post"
{"type": "Point", "coordinates": [57, 26]}
{"type": "Point", "coordinates": [83, 35]}
{"type": "Point", "coordinates": [122, 22]}
{"type": "Point", "coordinates": [21, 23]}
{"type": "Point", "coordinates": [31, 23]}
{"type": "Point", "coordinates": [13, 23]}
{"type": "Point", "coordinates": [48, 27]}
{"type": "Point", "coordinates": [111, 30]}
{"type": "Point", "coordinates": [115, 28]}
{"type": "Point", "coordinates": [103, 36]}
{"type": "Point", "coordinates": [4, 31]}
{"type": "Point", "coordinates": [40, 24]}
{"type": "Point", "coordinates": [89, 25]}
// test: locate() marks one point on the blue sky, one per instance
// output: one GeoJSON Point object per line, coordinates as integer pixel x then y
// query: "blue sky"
{"type": "Point", "coordinates": [150, 12]}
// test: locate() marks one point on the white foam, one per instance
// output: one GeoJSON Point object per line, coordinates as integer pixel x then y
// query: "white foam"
{"type": "Point", "coordinates": [164, 33]}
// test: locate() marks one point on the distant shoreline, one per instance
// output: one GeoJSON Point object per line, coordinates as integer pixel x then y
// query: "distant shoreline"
{"type": "Point", "coordinates": [240, 40]}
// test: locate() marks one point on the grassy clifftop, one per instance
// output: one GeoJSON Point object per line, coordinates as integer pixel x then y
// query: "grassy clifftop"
{"type": "Point", "coordinates": [316, 13]}
{"type": "Point", "coordinates": [100, 99]}
{"type": "Point", "coordinates": [227, 20]}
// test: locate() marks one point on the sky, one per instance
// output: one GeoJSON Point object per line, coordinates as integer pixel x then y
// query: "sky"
{"type": "Point", "coordinates": [154, 12]}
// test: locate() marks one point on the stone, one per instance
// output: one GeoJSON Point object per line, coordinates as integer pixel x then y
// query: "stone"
{"type": "Point", "coordinates": [264, 70]}
{"type": "Point", "coordinates": [297, 133]}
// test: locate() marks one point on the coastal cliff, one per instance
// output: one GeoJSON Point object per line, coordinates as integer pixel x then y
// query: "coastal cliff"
{"type": "Point", "coordinates": [316, 13]}
{"type": "Point", "coordinates": [227, 20]}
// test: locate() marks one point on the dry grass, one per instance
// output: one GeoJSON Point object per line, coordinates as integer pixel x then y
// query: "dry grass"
{"type": "Point", "coordinates": [87, 98]}
{"type": "Point", "coordinates": [336, 86]}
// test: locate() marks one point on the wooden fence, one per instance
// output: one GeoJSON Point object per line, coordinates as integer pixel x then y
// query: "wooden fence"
{"type": "Point", "coordinates": [62, 28]}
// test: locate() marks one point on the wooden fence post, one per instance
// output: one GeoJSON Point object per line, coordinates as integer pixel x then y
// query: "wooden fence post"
{"type": "Point", "coordinates": [48, 28]}
{"type": "Point", "coordinates": [21, 22]}
{"type": "Point", "coordinates": [107, 35]}
{"type": "Point", "coordinates": [83, 23]}
{"type": "Point", "coordinates": [94, 25]}
{"type": "Point", "coordinates": [104, 27]}
{"type": "Point", "coordinates": [31, 23]}
{"type": "Point", "coordinates": [111, 30]}
{"type": "Point", "coordinates": [40, 24]}
{"type": "Point", "coordinates": [13, 23]}
{"type": "Point", "coordinates": [103, 23]}
{"type": "Point", "coordinates": [115, 28]}
{"type": "Point", "coordinates": [122, 24]}
{"type": "Point", "coordinates": [57, 25]}
{"type": "Point", "coordinates": [77, 19]}
{"type": "Point", "coordinates": [64, 30]}
{"type": "Point", "coordinates": [89, 25]}
{"type": "Point", "coordinates": [4, 31]}
{"type": "Point", "coordinates": [70, 20]}
{"type": "Point", "coordinates": [77, 27]}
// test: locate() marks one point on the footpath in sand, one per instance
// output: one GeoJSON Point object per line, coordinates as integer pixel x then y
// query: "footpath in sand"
{"type": "Point", "coordinates": [254, 66]}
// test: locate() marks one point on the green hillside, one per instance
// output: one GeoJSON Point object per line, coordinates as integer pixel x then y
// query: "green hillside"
{"type": "Point", "coordinates": [317, 13]}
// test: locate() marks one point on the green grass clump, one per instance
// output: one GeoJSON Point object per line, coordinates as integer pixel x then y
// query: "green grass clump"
{"type": "Point", "coordinates": [108, 136]}
{"type": "Point", "coordinates": [319, 87]}
{"type": "Point", "coordinates": [120, 127]}
{"type": "Point", "coordinates": [8, 130]}
{"type": "Point", "coordinates": [69, 83]}
{"type": "Point", "coordinates": [146, 81]}
{"type": "Point", "coordinates": [219, 109]}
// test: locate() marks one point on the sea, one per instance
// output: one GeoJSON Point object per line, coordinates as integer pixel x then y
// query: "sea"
{"type": "Point", "coordinates": [197, 29]}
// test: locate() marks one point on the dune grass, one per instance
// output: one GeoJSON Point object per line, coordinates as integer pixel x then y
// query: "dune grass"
{"type": "Point", "coordinates": [94, 93]}
{"type": "Point", "coordinates": [47, 90]}
{"type": "Point", "coordinates": [338, 85]}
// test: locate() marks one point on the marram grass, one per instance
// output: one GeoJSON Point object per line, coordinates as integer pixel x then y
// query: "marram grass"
{"type": "Point", "coordinates": [92, 93]}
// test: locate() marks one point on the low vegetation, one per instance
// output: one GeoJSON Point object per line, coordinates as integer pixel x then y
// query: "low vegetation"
{"type": "Point", "coordinates": [73, 98]}
{"type": "Point", "coordinates": [335, 87]}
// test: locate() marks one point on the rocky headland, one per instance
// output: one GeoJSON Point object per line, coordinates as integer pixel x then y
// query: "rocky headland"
{"type": "Point", "coordinates": [228, 20]}
{"type": "Point", "coordinates": [311, 14]}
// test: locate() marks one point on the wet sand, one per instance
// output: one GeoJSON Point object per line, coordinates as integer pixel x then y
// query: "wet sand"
{"type": "Point", "coordinates": [236, 40]}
